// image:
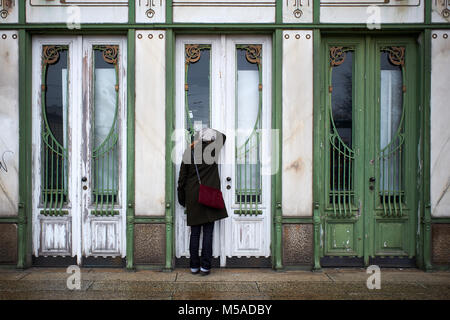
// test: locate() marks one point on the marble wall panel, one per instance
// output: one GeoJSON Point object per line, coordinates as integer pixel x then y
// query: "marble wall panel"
{"type": "Point", "coordinates": [9, 11]}
{"type": "Point", "coordinates": [370, 11]}
{"type": "Point", "coordinates": [9, 123]}
{"type": "Point", "coordinates": [298, 11]}
{"type": "Point", "coordinates": [212, 11]}
{"type": "Point", "coordinates": [440, 129]}
{"type": "Point", "coordinates": [441, 11]}
{"type": "Point", "coordinates": [74, 12]}
{"type": "Point", "coordinates": [150, 11]}
{"type": "Point", "coordinates": [150, 122]}
{"type": "Point", "coordinates": [297, 148]}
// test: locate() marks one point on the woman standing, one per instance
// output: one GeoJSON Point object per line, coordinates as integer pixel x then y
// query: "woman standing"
{"type": "Point", "coordinates": [200, 164]}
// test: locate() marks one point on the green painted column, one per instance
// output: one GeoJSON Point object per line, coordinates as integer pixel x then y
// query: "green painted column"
{"type": "Point", "coordinates": [22, 13]}
{"type": "Point", "coordinates": [278, 11]}
{"type": "Point", "coordinates": [25, 151]}
{"type": "Point", "coordinates": [316, 11]}
{"type": "Point", "coordinates": [277, 240]}
{"type": "Point", "coordinates": [131, 11]}
{"type": "Point", "coordinates": [169, 11]}
{"type": "Point", "coordinates": [131, 49]}
{"type": "Point", "coordinates": [428, 10]}
{"type": "Point", "coordinates": [170, 113]}
{"type": "Point", "coordinates": [317, 152]}
{"type": "Point", "coordinates": [426, 142]}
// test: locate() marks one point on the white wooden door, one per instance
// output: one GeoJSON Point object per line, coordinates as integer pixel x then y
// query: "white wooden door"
{"type": "Point", "coordinates": [79, 151]}
{"type": "Point", "coordinates": [224, 82]}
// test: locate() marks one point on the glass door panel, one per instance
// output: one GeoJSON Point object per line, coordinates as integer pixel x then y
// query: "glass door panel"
{"type": "Point", "coordinates": [342, 154]}
{"type": "Point", "coordinates": [198, 86]}
{"type": "Point", "coordinates": [54, 171]}
{"type": "Point", "coordinates": [391, 133]}
{"type": "Point", "coordinates": [248, 126]}
{"type": "Point", "coordinates": [105, 129]}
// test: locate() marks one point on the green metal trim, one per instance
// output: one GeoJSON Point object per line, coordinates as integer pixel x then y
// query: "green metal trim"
{"type": "Point", "coordinates": [279, 11]}
{"type": "Point", "coordinates": [316, 12]}
{"type": "Point", "coordinates": [368, 114]}
{"type": "Point", "coordinates": [149, 220]}
{"type": "Point", "coordinates": [131, 49]}
{"type": "Point", "coordinates": [428, 10]}
{"type": "Point", "coordinates": [9, 220]}
{"type": "Point", "coordinates": [140, 267]}
{"type": "Point", "coordinates": [244, 212]}
{"type": "Point", "coordinates": [170, 174]}
{"type": "Point", "coordinates": [131, 11]}
{"type": "Point", "coordinates": [169, 12]}
{"type": "Point", "coordinates": [277, 124]}
{"type": "Point", "coordinates": [425, 202]}
{"type": "Point", "coordinates": [54, 213]}
{"type": "Point", "coordinates": [437, 220]}
{"type": "Point", "coordinates": [297, 220]}
{"type": "Point", "coordinates": [105, 213]}
{"type": "Point", "coordinates": [22, 12]}
{"type": "Point", "coordinates": [194, 27]}
{"type": "Point", "coordinates": [317, 149]}
{"type": "Point", "coordinates": [25, 151]}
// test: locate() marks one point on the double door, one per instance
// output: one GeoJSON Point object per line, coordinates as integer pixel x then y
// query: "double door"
{"type": "Point", "coordinates": [369, 143]}
{"type": "Point", "coordinates": [79, 159]}
{"type": "Point", "coordinates": [223, 82]}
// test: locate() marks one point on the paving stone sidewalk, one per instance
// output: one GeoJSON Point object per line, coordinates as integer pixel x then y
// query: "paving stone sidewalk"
{"type": "Point", "coordinates": [226, 284]}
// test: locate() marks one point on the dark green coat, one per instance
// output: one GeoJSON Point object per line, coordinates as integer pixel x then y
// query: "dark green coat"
{"type": "Point", "coordinates": [188, 185]}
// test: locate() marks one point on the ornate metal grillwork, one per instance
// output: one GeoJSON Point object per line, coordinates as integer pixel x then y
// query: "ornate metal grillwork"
{"type": "Point", "coordinates": [342, 155]}
{"type": "Point", "coordinates": [390, 158]}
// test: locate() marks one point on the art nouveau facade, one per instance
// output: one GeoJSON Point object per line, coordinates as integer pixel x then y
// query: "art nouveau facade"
{"type": "Point", "coordinates": [335, 113]}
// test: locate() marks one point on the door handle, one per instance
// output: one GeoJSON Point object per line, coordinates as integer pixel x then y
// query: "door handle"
{"type": "Point", "coordinates": [372, 179]}
{"type": "Point", "coordinates": [228, 187]}
{"type": "Point", "coordinates": [84, 179]}
{"type": "Point", "coordinates": [228, 178]}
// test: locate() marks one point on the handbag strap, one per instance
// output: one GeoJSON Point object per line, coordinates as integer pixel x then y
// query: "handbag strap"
{"type": "Point", "coordinates": [196, 169]}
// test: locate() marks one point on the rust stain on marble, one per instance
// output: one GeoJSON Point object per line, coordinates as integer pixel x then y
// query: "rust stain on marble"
{"type": "Point", "coordinates": [296, 165]}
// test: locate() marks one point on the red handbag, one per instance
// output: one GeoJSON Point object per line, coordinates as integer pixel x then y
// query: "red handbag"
{"type": "Point", "coordinates": [209, 196]}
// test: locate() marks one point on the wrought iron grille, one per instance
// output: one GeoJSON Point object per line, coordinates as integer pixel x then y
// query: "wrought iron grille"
{"type": "Point", "coordinates": [342, 153]}
{"type": "Point", "coordinates": [392, 138]}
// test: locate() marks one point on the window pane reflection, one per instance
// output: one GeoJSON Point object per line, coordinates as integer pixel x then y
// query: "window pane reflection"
{"type": "Point", "coordinates": [198, 90]}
